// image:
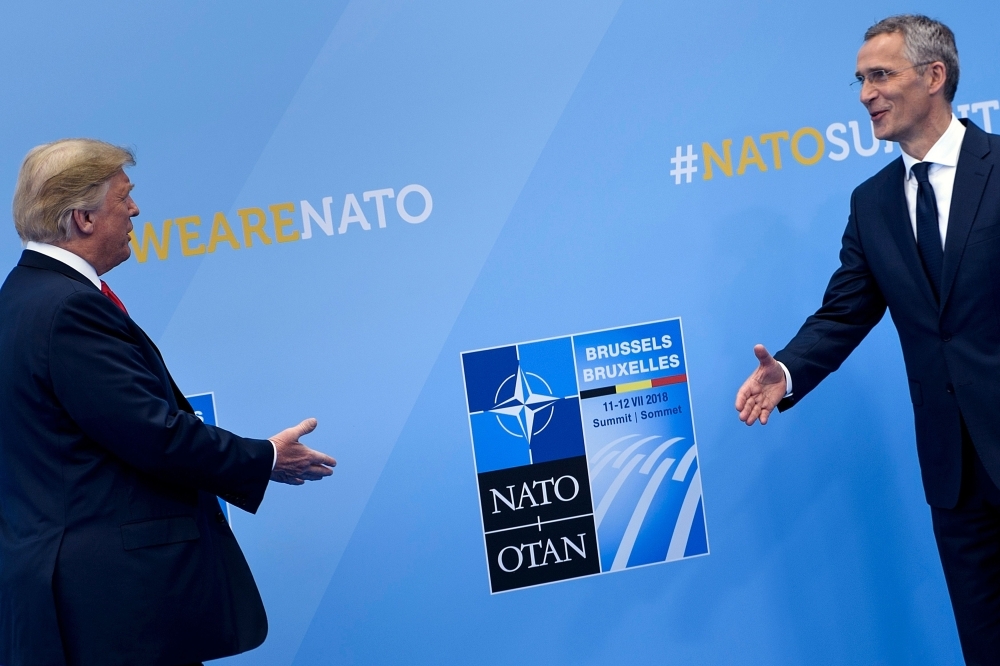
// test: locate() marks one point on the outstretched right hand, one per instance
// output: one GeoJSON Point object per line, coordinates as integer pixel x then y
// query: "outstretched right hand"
{"type": "Point", "coordinates": [762, 391]}
{"type": "Point", "coordinates": [296, 462]}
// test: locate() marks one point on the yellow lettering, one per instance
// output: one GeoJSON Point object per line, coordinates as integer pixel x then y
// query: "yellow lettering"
{"type": "Point", "coordinates": [188, 236]}
{"type": "Point", "coordinates": [221, 231]}
{"type": "Point", "coordinates": [750, 155]}
{"type": "Point", "coordinates": [774, 138]}
{"type": "Point", "coordinates": [725, 164]}
{"type": "Point", "coordinates": [281, 222]}
{"type": "Point", "coordinates": [820, 146]}
{"type": "Point", "coordinates": [141, 248]}
{"type": "Point", "coordinates": [255, 228]}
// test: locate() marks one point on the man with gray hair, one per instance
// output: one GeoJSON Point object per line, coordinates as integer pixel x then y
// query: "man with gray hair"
{"type": "Point", "coordinates": [113, 547]}
{"type": "Point", "coordinates": [923, 241]}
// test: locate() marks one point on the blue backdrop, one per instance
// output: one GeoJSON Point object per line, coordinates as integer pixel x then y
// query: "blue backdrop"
{"type": "Point", "coordinates": [359, 191]}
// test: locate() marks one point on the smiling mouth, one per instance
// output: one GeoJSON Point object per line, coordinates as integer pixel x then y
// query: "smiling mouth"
{"type": "Point", "coordinates": [878, 115]}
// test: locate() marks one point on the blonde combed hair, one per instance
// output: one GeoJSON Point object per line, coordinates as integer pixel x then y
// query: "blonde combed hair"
{"type": "Point", "coordinates": [60, 177]}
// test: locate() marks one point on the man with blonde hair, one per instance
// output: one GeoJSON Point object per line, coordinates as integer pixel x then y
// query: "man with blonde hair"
{"type": "Point", "coordinates": [113, 547]}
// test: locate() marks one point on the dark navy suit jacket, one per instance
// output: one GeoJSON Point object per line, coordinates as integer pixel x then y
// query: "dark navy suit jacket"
{"type": "Point", "coordinates": [951, 349]}
{"type": "Point", "coordinates": [113, 549]}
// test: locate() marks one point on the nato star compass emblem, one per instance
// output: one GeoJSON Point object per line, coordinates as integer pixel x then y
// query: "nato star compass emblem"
{"type": "Point", "coordinates": [530, 406]}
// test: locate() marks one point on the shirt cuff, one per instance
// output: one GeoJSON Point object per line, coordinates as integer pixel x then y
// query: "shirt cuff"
{"type": "Point", "coordinates": [788, 382]}
{"type": "Point", "coordinates": [274, 463]}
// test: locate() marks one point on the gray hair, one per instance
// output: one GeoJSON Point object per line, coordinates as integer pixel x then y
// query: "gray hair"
{"type": "Point", "coordinates": [60, 177]}
{"type": "Point", "coordinates": [924, 41]}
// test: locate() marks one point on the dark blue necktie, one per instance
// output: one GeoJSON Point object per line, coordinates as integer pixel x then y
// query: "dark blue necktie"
{"type": "Point", "coordinates": [928, 232]}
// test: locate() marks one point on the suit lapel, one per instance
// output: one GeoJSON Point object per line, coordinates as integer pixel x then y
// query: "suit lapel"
{"type": "Point", "coordinates": [970, 182]}
{"type": "Point", "coordinates": [897, 217]}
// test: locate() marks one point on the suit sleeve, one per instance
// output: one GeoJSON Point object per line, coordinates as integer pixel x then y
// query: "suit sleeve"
{"type": "Point", "coordinates": [115, 395]}
{"type": "Point", "coordinates": [852, 305]}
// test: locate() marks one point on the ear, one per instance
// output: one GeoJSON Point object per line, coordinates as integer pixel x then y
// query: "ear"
{"type": "Point", "coordinates": [83, 222]}
{"type": "Point", "coordinates": [938, 76]}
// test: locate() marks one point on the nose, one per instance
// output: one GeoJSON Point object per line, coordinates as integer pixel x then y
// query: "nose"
{"type": "Point", "coordinates": [133, 209]}
{"type": "Point", "coordinates": [868, 92]}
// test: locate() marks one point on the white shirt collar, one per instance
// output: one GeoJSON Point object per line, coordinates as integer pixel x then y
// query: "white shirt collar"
{"type": "Point", "coordinates": [945, 152]}
{"type": "Point", "coordinates": [76, 262]}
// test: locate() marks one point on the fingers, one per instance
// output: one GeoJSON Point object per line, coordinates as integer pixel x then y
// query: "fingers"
{"type": "Point", "coordinates": [744, 394]}
{"type": "Point", "coordinates": [762, 391]}
{"type": "Point", "coordinates": [292, 435]}
{"type": "Point", "coordinates": [756, 408]}
{"type": "Point", "coordinates": [315, 473]}
{"type": "Point", "coordinates": [762, 354]}
{"type": "Point", "coordinates": [297, 463]}
{"type": "Point", "coordinates": [284, 477]}
{"type": "Point", "coordinates": [304, 428]}
{"type": "Point", "coordinates": [321, 458]}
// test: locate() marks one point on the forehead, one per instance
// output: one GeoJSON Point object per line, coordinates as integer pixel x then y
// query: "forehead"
{"type": "Point", "coordinates": [120, 182]}
{"type": "Point", "coordinates": [883, 51]}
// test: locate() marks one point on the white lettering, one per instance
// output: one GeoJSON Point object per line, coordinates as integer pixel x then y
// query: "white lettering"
{"type": "Point", "coordinates": [401, 208]}
{"type": "Point", "coordinates": [576, 488]}
{"type": "Point", "coordinates": [379, 195]}
{"type": "Point", "coordinates": [309, 215]}
{"type": "Point", "coordinates": [520, 558]}
{"type": "Point", "coordinates": [831, 136]}
{"type": "Point", "coordinates": [526, 492]}
{"type": "Point", "coordinates": [864, 152]}
{"type": "Point", "coordinates": [545, 492]}
{"type": "Point", "coordinates": [567, 544]}
{"type": "Point", "coordinates": [531, 553]}
{"type": "Point", "coordinates": [549, 548]}
{"type": "Point", "coordinates": [503, 499]}
{"type": "Point", "coordinates": [352, 213]}
{"type": "Point", "coordinates": [985, 108]}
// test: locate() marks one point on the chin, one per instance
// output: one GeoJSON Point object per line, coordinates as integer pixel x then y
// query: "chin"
{"type": "Point", "coordinates": [883, 131]}
{"type": "Point", "coordinates": [122, 258]}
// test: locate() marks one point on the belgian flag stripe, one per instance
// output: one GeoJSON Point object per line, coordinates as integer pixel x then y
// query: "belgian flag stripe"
{"type": "Point", "coordinates": [633, 386]}
{"type": "Point", "coordinates": [667, 381]}
{"type": "Point", "coordinates": [597, 392]}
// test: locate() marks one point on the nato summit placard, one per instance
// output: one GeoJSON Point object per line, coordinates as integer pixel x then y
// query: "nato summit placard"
{"type": "Point", "coordinates": [585, 454]}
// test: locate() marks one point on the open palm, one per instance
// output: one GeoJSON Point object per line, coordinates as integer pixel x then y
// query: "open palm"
{"type": "Point", "coordinates": [762, 391]}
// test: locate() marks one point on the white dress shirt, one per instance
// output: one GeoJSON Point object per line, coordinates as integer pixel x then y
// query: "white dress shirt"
{"type": "Point", "coordinates": [83, 267]}
{"type": "Point", "coordinates": [943, 157]}
{"type": "Point", "coordinates": [76, 262]}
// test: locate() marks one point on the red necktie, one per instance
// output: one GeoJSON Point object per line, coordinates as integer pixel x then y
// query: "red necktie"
{"type": "Point", "coordinates": [106, 290]}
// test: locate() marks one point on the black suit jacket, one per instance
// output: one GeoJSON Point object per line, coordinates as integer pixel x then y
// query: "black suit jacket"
{"type": "Point", "coordinates": [113, 549]}
{"type": "Point", "coordinates": [951, 349]}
